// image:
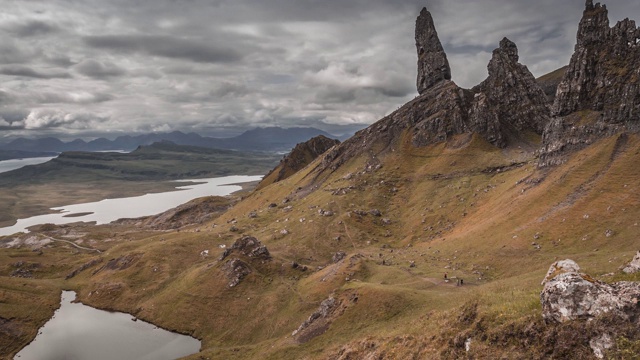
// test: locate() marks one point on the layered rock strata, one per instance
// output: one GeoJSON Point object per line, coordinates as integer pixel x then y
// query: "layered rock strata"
{"type": "Point", "coordinates": [599, 94]}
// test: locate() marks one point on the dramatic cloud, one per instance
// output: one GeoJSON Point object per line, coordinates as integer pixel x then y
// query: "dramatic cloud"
{"type": "Point", "coordinates": [165, 46]}
{"type": "Point", "coordinates": [31, 28]}
{"type": "Point", "coordinates": [99, 70]}
{"type": "Point", "coordinates": [19, 70]}
{"type": "Point", "coordinates": [219, 67]}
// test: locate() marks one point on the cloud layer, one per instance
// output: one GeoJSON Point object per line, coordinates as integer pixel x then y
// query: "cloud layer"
{"type": "Point", "coordinates": [89, 67]}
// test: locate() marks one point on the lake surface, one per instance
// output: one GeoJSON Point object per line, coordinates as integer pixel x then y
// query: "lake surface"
{"type": "Point", "coordinates": [77, 331]}
{"type": "Point", "coordinates": [8, 165]}
{"type": "Point", "coordinates": [108, 210]}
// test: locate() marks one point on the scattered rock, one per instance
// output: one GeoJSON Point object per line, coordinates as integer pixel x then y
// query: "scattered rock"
{"type": "Point", "coordinates": [375, 212]}
{"type": "Point", "coordinates": [253, 215]}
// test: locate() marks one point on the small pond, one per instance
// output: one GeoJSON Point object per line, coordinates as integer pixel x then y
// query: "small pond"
{"type": "Point", "coordinates": [77, 331]}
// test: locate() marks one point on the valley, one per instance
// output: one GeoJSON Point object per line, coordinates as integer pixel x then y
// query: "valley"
{"type": "Point", "coordinates": [78, 177]}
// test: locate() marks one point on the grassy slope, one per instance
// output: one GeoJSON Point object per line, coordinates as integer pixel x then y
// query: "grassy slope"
{"type": "Point", "coordinates": [451, 210]}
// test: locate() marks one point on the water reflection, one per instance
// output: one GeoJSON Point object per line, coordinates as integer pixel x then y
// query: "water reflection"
{"type": "Point", "coordinates": [77, 331]}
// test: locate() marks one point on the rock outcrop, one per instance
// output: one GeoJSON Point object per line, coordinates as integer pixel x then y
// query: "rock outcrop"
{"type": "Point", "coordinates": [248, 251]}
{"type": "Point", "coordinates": [569, 294]}
{"type": "Point", "coordinates": [248, 246]}
{"type": "Point", "coordinates": [599, 94]}
{"type": "Point", "coordinates": [433, 65]}
{"type": "Point", "coordinates": [301, 156]}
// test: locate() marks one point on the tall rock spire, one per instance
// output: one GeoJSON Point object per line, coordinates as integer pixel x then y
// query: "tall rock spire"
{"type": "Point", "coordinates": [433, 65]}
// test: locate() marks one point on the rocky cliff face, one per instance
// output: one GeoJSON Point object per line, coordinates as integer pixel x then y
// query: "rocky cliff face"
{"type": "Point", "coordinates": [599, 94]}
{"type": "Point", "coordinates": [301, 155]}
{"type": "Point", "coordinates": [507, 103]}
{"type": "Point", "coordinates": [510, 100]}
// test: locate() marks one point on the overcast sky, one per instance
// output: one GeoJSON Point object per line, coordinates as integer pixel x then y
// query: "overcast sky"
{"type": "Point", "coordinates": [84, 68]}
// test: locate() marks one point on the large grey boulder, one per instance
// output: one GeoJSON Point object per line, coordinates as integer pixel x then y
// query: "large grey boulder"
{"type": "Point", "coordinates": [569, 295]}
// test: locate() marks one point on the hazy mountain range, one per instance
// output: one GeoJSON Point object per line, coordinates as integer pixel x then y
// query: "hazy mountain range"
{"type": "Point", "coordinates": [259, 139]}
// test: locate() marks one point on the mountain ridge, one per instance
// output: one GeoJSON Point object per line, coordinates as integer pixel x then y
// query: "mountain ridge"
{"type": "Point", "coordinates": [258, 139]}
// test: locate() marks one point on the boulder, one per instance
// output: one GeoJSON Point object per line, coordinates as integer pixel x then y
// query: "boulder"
{"type": "Point", "coordinates": [570, 295]}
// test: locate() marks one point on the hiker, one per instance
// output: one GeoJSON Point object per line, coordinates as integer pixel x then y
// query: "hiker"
{"type": "Point", "coordinates": [445, 276]}
{"type": "Point", "coordinates": [461, 282]}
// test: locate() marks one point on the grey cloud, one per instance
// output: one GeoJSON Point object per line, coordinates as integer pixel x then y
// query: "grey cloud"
{"type": "Point", "coordinates": [99, 70]}
{"type": "Point", "coordinates": [234, 64]}
{"type": "Point", "coordinates": [10, 53]}
{"type": "Point", "coordinates": [32, 28]}
{"type": "Point", "coordinates": [165, 46]}
{"type": "Point", "coordinates": [229, 89]}
{"type": "Point", "coordinates": [13, 115]}
{"type": "Point", "coordinates": [25, 71]}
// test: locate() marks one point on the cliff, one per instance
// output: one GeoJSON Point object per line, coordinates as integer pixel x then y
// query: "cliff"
{"type": "Point", "coordinates": [599, 94]}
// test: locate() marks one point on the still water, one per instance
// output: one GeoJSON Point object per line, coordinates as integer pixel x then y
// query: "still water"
{"type": "Point", "coordinates": [108, 210]}
{"type": "Point", "coordinates": [8, 165]}
{"type": "Point", "coordinates": [77, 331]}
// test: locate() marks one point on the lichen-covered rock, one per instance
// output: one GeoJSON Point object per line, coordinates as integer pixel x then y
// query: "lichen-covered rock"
{"type": "Point", "coordinates": [433, 65]}
{"type": "Point", "coordinates": [634, 265]}
{"type": "Point", "coordinates": [570, 295]}
{"type": "Point", "coordinates": [559, 267]}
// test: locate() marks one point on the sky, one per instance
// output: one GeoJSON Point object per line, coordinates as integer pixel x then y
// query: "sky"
{"type": "Point", "coordinates": [89, 68]}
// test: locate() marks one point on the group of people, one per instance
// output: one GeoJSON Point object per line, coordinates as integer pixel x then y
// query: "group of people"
{"type": "Point", "coordinates": [459, 281]}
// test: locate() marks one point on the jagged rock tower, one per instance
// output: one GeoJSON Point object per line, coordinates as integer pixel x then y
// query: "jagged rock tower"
{"type": "Point", "coordinates": [433, 65]}
{"type": "Point", "coordinates": [503, 106]}
{"type": "Point", "coordinates": [599, 94]}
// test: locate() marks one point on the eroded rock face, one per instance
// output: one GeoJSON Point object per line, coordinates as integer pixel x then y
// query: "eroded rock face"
{"type": "Point", "coordinates": [302, 155]}
{"type": "Point", "coordinates": [570, 295]}
{"type": "Point", "coordinates": [433, 65]}
{"type": "Point", "coordinates": [510, 100]}
{"type": "Point", "coordinates": [599, 94]}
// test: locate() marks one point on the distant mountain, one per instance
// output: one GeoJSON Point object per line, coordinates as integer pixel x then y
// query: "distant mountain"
{"type": "Point", "coordinates": [260, 139]}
